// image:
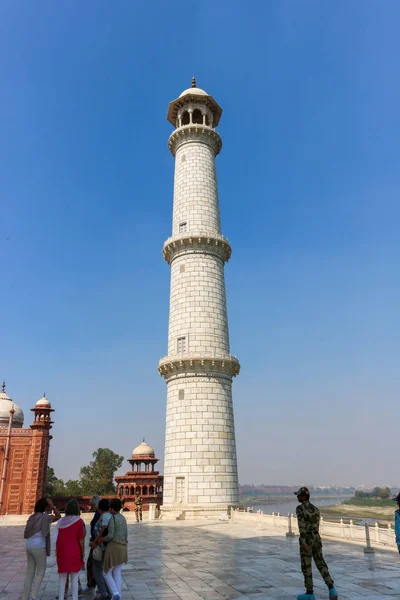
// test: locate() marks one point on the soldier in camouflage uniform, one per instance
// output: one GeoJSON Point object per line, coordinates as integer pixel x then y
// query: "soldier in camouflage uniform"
{"type": "Point", "coordinates": [308, 518]}
{"type": "Point", "coordinates": [138, 507]}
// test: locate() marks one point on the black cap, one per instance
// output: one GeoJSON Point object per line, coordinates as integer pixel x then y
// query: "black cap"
{"type": "Point", "coordinates": [303, 491]}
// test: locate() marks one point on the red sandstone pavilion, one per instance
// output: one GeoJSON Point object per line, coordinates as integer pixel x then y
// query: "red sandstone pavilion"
{"type": "Point", "coordinates": [23, 454]}
{"type": "Point", "coordinates": [143, 480]}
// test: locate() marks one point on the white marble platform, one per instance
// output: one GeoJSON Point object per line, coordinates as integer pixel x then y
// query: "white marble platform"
{"type": "Point", "coordinates": [212, 560]}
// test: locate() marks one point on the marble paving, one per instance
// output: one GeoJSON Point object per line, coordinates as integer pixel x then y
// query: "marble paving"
{"type": "Point", "coordinates": [205, 560]}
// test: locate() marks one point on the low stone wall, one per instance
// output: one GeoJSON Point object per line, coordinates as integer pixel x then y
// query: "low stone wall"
{"type": "Point", "coordinates": [362, 534]}
{"type": "Point", "coordinates": [10, 520]}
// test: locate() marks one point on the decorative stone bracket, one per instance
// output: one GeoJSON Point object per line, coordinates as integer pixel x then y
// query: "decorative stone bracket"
{"type": "Point", "coordinates": [190, 365]}
{"type": "Point", "coordinates": [194, 133]}
{"type": "Point", "coordinates": [196, 243]}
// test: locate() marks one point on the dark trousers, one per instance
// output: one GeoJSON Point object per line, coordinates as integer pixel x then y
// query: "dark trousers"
{"type": "Point", "coordinates": [91, 582]}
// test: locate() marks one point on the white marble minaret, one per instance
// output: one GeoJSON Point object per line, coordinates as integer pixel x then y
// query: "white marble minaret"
{"type": "Point", "coordinates": [200, 470]}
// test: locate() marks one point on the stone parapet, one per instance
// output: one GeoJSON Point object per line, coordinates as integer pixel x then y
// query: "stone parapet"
{"type": "Point", "coordinates": [197, 243]}
{"type": "Point", "coordinates": [190, 365]}
{"type": "Point", "coordinates": [21, 519]}
{"type": "Point", "coordinates": [364, 535]}
{"type": "Point", "coordinates": [194, 133]}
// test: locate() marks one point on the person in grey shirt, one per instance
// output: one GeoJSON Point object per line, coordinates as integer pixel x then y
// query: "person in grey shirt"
{"type": "Point", "coordinates": [116, 553]}
{"type": "Point", "coordinates": [37, 535]}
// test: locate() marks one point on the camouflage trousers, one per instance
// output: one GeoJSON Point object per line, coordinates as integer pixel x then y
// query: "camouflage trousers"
{"type": "Point", "coordinates": [138, 514]}
{"type": "Point", "coordinates": [315, 552]}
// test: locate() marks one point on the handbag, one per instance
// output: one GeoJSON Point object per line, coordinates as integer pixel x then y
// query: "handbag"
{"type": "Point", "coordinates": [97, 553]}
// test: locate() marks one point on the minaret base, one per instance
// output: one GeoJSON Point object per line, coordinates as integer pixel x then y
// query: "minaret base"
{"type": "Point", "coordinates": [180, 512]}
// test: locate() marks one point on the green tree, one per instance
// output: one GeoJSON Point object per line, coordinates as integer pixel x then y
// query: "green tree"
{"type": "Point", "coordinates": [54, 486]}
{"type": "Point", "coordinates": [376, 492]}
{"type": "Point", "coordinates": [98, 476]}
{"type": "Point", "coordinates": [72, 488]}
{"type": "Point", "coordinates": [385, 493]}
{"type": "Point", "coordinates": [50, 481]}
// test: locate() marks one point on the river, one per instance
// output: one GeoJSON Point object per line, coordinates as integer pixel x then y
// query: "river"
{"type": "Point", "coordinates": [289, 506]}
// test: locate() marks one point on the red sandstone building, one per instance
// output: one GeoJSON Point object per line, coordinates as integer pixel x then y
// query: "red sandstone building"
{"type": "Point", "coordinates": [142, 479]}
{"type": "Point", "coordinates": [23, 455]}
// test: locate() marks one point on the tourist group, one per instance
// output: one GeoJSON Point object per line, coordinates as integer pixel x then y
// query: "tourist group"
{"type": "Point", "coordinates": [108, 548]}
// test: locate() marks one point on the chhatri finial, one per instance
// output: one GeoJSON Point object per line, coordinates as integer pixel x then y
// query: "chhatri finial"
{"type": "Point", "coordinates": [144, 441]}
{"type": "Point", "coordinates": [193, 82]}
{"type": "Point", "coordinates": [44, 394]}
{"type": "Point", "coordinates": [3, 387]}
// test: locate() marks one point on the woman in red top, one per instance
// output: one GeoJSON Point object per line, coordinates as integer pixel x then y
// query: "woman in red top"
{"type": "Point", "coordinates": [70, 548]}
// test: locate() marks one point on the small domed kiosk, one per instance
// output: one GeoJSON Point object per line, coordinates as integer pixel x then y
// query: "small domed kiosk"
{"type": "Point", "coordinates": [143, 480]}
{"type": "Point", "coordinates": [42, 412]}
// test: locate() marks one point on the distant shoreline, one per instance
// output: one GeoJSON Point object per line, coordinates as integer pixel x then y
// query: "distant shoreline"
{"type": "Point", "coordinates": [348, 511]}
{"type": "Point", "coordinates": [252, 501]}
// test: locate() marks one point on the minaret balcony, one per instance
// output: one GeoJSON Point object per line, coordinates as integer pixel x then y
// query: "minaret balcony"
{"type": "Point", "coordinates": [197, 243]}
{"type": "Point", "coordinates": [194, 133]}
{"type": "Point", "coordinates": [192, 365]}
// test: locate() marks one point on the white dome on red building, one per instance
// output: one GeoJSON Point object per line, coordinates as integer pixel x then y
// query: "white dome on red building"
{"type": "Point", "coordinates": [43, 402]}
{"type": "Point", "coordinates": [6, 404]}
{"type": "Point", "coordinates": [143, 450]}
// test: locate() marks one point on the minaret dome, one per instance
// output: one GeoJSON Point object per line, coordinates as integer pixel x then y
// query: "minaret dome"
{"type": "Point", "coordinates": [194, 107]}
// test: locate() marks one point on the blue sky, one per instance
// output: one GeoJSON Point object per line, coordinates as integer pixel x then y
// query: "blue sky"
{"type": "Point", "coordinates": [309, 184]}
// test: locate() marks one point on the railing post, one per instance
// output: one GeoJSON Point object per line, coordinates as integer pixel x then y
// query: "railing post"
{"type": "Point", "coordinates": [341, 528]}
{"type": "Point", "coordinates": [391, 538]}
{"type": "Point", "coordinates": [351, 530]}
{"type": "Point", "coordinates": [377, 536]}
{"type": "Point", "coordinates": [368, 548]}
{"type": "Point", "coordinates": [290, 532]}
